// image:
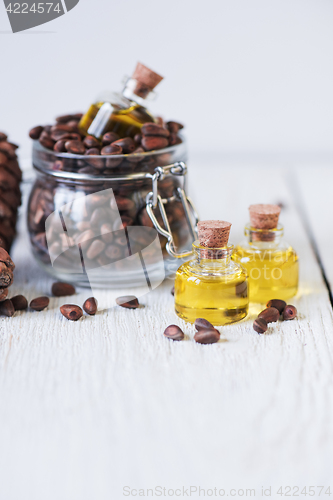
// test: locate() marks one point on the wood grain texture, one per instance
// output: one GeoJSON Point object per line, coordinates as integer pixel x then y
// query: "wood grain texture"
{"type": "Point", "coordinates": [89, 407]}
{"type": "Point", "coordinates": [314, 194]}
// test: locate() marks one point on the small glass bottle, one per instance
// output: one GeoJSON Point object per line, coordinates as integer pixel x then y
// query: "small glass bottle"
{"type": "Point", "coordinates": [123, 113]}
{"type": "Point", "coordinates": [271, 263]}
{"type": "Point", "coordinates": [211, 285]}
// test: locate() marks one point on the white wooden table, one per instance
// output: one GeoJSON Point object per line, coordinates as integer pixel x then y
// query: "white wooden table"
{"type": "Point", "coordinates": [89, 408]}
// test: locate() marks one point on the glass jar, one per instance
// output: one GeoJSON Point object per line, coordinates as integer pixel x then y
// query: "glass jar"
{"type": "Point", "coordinates": [87, 214]}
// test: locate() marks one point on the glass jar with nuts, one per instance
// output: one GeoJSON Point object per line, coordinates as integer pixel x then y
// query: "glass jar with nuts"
{"type": "Point", "coordinates": [89, 208]}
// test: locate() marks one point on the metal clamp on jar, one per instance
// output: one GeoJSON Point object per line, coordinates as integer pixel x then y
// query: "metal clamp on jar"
{"type": "Point", "coordinates": [154, 200]}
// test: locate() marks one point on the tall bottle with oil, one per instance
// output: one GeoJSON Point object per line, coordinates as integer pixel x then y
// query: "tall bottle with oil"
{"type": "Point", "coordinates": [271, 263]}
{"type": "Point", "coordinates": [123, 113]}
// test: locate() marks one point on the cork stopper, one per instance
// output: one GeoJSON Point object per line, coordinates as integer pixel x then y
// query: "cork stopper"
{"type": "Point", "coordinates": [146, 80]}
{"type": "Point", "coordinates": [264, 216]}
{"type": "Point", "coordinates": [213, 233]}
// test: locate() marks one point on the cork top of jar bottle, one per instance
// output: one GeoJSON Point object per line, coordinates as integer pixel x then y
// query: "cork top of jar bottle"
{"type": "Point", "coordinates": [146, 79]}
{"type": "Point", "coordinates": [213, 233]}
{"type": "Point", "coordinates": [264, 216]}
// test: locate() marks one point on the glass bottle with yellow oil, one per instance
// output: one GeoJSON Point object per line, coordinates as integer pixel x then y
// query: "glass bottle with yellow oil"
{"type": "Point", "coordinates": [123, 113]}
{"type": "Point", "coordinates": [211, 285]}
{"type": "Point", "coordinates": [271, 263]}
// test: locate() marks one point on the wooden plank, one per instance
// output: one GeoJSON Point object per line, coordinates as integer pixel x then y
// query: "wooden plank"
{"type": "Point", "coordinates": [90, 407]}
{"type": "Point", "coordinates": [315, 200]}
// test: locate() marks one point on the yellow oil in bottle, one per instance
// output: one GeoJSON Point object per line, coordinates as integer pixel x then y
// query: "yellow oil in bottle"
{"type": "Point", "coordinates": [218, 293]}
{"type": "Point", "coordinates": [272, 272]}
{"type": "Point", "coordinates": [124, 122]}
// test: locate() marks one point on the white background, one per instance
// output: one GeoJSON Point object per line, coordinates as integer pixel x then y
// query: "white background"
{"type": "Point", "coordinates": [243, 75]}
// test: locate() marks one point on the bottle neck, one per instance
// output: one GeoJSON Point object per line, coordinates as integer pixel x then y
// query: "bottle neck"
{"type": "Point", "coordinates": [212, 258]}
{"type": "Point", "coordinates": [263, 238]}
{"type": "Point", "coordinates": [137, 92]}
